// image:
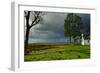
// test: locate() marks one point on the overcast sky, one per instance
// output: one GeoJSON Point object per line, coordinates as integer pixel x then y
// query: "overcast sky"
{"type": "Point", "coordinates": [51, 29]}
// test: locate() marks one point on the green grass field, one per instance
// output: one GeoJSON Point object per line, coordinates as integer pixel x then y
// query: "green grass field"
{"type": "Point", "coordinates": [47, 52]}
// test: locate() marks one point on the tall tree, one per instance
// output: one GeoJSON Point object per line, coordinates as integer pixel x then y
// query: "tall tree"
{"type": "Point", "coordinates": [72, 26]}
{"type": "Point", "coordinates": [76, 27]}
{"type": "Point", "coordinates": [37, 16]}
{"type": "Point", "coordinates": [67, 26]}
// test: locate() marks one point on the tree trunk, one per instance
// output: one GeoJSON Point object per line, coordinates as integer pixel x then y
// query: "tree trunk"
{"type": "Point", "coordinates": [26, 51]}
{"type": "Point", "coordinates": [70, 39]}
{"type": "Point", "coordinates": [26, 41]}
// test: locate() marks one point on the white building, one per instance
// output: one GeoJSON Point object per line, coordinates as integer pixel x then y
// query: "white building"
{"type": "Point", "coordinates": [85, 42]}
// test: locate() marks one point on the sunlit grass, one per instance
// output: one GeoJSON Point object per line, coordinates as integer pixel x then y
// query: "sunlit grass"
{"type": "Point", "coordinates": [57, 52]}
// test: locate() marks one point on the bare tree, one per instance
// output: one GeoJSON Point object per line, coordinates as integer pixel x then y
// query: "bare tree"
{"type": "Point", "coordinates": [37, 16]}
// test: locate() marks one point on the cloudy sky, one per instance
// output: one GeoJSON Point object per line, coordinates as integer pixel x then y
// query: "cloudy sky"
{"type": "Point", "coordinates": [51, 29]}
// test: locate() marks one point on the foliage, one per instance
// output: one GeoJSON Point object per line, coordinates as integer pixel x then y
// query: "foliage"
{"type": "Point", "coordinates": [72, 26]}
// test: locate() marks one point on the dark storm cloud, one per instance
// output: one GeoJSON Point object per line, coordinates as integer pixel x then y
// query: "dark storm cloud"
{"type": "Point", "coordinates": [85, 21]}
{"type": "Point", "coordinates": [51, 29]}
{"type": "Point", "coordinates": [52, 22]}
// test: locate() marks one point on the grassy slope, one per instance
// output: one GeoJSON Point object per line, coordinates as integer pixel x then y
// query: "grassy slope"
{"type": "Point", "coordinates": [57, 52]}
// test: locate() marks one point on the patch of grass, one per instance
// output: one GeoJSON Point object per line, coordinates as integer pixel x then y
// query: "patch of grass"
{"type": "Point", "coordinates": [47, 52]}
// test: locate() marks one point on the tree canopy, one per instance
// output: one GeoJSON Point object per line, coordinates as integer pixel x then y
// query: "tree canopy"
{"type": "Point", "coordinates": [72, 26]}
